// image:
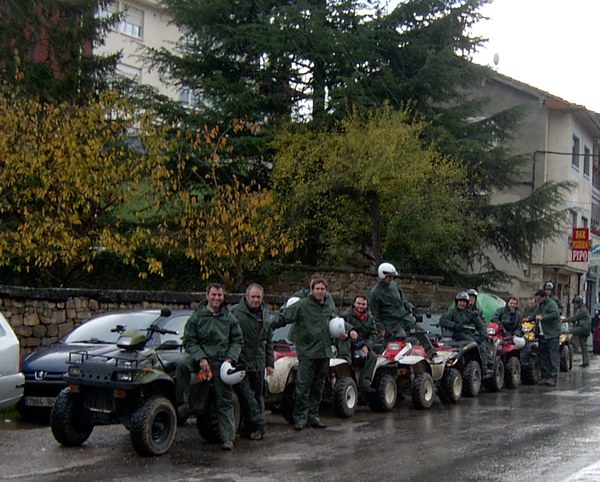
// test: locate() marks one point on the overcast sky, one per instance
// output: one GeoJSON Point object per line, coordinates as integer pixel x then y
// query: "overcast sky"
{"type": "Point", "coordinates": [549, 44]}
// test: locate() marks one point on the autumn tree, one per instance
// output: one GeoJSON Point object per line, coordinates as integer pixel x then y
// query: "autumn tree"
{"type": "Point", "coordinates": [371, 184]}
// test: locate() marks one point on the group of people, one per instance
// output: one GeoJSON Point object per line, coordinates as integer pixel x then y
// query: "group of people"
{"type": "Point", "coordinates": [215, 337]}
{"type": "Point", "coordinates": [465, 322]}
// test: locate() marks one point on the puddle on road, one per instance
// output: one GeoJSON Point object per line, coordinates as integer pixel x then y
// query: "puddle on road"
{"type": "Point", "coordinates": [15, 423]}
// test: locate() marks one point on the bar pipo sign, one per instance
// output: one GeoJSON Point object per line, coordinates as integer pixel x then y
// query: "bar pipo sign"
{"type": "Point", "coordinates": [580, 245]}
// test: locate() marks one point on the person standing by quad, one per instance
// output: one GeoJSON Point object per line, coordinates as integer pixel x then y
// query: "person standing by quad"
{"type": "Point", "coordinates": [257, 354]}
{"type": "Point", "coordinates": [311, 317]}
{"type": "Point", "coordinates": [529, 311]}
{"type": "Point", "coordinates": [549, 288]}
{"type": "Point", "coordinates": [361, 336]}
{"type": "Point", "coordinates": [582, 327]}
{"type": "Point", "coordinates": [548, 317]}
{"type": "Point", "coordinates": [212, 336]}
{"type": "Point", "coordinates": [459, 317]}
{"type": "Point", "coordinates": [509, 317]}
{"type": "Point", "coordinates": [390, 309]}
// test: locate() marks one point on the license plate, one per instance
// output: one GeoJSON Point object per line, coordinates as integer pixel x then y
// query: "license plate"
{"type": "Point", "coordinates": [39, 401]}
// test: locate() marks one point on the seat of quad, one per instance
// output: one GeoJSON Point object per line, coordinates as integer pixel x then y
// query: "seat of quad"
{"type": "Point", "coordinates": [169, 364]}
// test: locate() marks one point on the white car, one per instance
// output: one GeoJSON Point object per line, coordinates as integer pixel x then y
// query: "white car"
{"type": "Point", "coordinates": [12, 380]}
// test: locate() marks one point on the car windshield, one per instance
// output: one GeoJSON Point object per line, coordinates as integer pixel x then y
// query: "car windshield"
{"type": "Point", "coordinates": [98, 330]}
{"type": "Point", "coordinates": [282, 334]}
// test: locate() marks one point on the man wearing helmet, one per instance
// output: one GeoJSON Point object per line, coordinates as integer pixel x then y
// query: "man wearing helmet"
{"type": "Point", "coordinates": [547, 317]}
{"type": "Point", "coordinates": [472, 306]}
{"type": "Point", "coordinates": [257, 354]}
{"type": "Point", "coordinates": [211, 337]}
{"type": "Point", "coordinates": [465, 325]}
{"type": "Point", "coordinates": [390, 309]}
{"type": "Point", "coordinates": [311, 317]}
{"type": "Point", "coordinates": [549, 288]}
{"type": "Point", "coordinates": [582, 326]}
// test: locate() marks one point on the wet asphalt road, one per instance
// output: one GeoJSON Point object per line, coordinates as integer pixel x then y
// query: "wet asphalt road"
{"type": "Point", "coordinates": [532, 433]}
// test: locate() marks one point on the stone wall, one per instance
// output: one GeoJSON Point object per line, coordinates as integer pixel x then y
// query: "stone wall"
{"type": "Point", "coordinates": [40, 317]}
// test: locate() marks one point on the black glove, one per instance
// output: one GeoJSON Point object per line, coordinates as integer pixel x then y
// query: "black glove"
{"type": "Point", "coordinates": [457, 328]}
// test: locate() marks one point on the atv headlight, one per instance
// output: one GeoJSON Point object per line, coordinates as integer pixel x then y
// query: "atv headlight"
{"type": "Point", "coordinates": [491, 331]}
{"type": "Point", "coordinates": [74, 370]}
{"type": "Point", "coordinates": [124, 376]}
{"type": "Point", "coordinates": [526, 329]}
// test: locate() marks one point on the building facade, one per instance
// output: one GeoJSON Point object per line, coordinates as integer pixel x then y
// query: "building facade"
{"type": "Point", "coordinates": [144, 23]}
{"type": "Point", "coordinates": [560, 142]}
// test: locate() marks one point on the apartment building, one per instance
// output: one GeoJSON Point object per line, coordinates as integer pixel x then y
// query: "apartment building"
{"type": "Point", "coordinates": [561, 142]}
{"type": "Point", "coordinates": [144, 24]}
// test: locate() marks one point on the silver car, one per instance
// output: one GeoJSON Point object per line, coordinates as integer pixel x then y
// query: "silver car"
{"type": "Point", "coordinates": [12, 380]}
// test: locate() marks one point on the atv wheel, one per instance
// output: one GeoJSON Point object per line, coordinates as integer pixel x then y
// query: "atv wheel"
{"type": "Point", "coordinates": [451, 386]}
{"type": "Point", "coordinates": [495, 383]}
{"type": "Point", "coordinates": [385, 395]}
{"type": "Point", "coordinates": [531, 374]}
{"type": "Point", "coordinates": [208, 421]}
{"type": "Point", "coordinates": [564, 358]}
{"type": "Point", "coordinates": [472, 379]}
{"type": "Point", "coordinates": [69, 420]}
{"type": "Point", "coordinates": [287, 402]}
{"type": "Point", "coordinates": [345, 397]}
{"type": "Point", "coordinates": [153, 426]}
{"type": "Point", "coordinates": [512, 376]}
{"type": "Point", "coordinates": [422, 390]}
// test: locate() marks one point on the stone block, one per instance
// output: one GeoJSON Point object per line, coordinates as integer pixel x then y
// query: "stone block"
{"type": "Point", "coordinates": [65, 328]}
{"type": "Point", "coordinates": [39, 331]}
{"type": "Point", "coordinates": [52, 330]}
{"type": "Point", "coordinates": [45, 319]}
{"type": "Point", "coordinates": [23, 331]}
{"type": "Point", "coordinates": [71, 314]}
{"type": "Point", "coordinates": [16, 320]}
{"type": "Point", "coordinates": [77, 303]}
{"type": "Point", "coordinates": [93, 305]}
{"type": "Point", "coordinates": [70, 304]}
{"type": "Point", "coordinates": [32, 342]}
{"type": "Point", "coordinates": [84, 315]}
{"type": "Point", "coordinates": [32, 319]}
{"type": "Point", "coordinates": [59, 316]}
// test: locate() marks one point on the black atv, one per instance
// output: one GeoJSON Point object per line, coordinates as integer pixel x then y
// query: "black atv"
{"type": "Point", "coordinates": [132, 385]}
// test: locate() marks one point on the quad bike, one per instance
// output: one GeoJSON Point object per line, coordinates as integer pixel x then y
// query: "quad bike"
{"type": "Point", "coordinates": [510, 352]}
{"type": "Point", "coordinates": [421, 369]}
{"type": "Point", "coordinates": [566, 347]}
{"type": "Point", "coordinates": [468, 361]}
{"type": "Point", "coordinates": [131, 385]}
{"type": "Point", "coordinates": [530, 360]}
{"type": "Point", "coordinates": [340, 389]}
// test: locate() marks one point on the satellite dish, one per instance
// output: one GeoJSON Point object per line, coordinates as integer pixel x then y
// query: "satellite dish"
{"type": "Point", "coordinates": [496, 58]}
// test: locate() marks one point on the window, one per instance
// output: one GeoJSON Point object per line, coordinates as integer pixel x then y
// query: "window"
{"type": "Point", "coordinates": [188, 97]}
{"type": "Point", "coordinates": [586, 161]}
{"type": "Point", "coordinates": [584, 222]}
{"type": "Point", "coordinates": [574, 219]}
{"type": "Point", "coordinates": [133, 22]}
{"type": "Point", "coordinates": [596, 215]}
{"type": "Point", "coordinates": [575, 156]}
{"type": "Point", "coordinates": [132, 73]}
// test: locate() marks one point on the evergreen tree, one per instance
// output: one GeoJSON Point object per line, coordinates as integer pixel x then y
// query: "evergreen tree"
{"type": "Point", "coordinates": [274, 62]}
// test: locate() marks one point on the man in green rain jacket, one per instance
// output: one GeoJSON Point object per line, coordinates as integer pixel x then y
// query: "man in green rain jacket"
{"type": "Point", "coordinates": [257, 354]}
{"type": "Point", "coordinates": [547, 316]}
{"type": "Point", "coordinates": [311, 317]}
{"type": "Point", "coordinates": [582, 328]}
{"type": "Point", "coordinates": [211, 336]}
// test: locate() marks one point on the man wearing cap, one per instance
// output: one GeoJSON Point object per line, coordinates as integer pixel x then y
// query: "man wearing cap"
{"type": "Point", "coordinates": [548, 318]}
{"type": "Point", "coordinates": [211, 336]}
{"type": "Point", "coordinates": [311, 316]}
{"type": "Point", "coordinates": [549, 288]}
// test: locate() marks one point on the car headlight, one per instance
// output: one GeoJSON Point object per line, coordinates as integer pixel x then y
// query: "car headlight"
{"type": "Point", "coordinates": [124, 376]}
{"type": "Point", "coordinates": [74, 370]}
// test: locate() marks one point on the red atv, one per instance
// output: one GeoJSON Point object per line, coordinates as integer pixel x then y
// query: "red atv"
{"type": "Point", "coordinates": [509, 348]}
{"type": "Point", "coordinates": [420, 370]}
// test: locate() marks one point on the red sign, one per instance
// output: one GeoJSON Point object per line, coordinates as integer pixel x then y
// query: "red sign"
{"type": "Point", "coordinates": [580, 245]}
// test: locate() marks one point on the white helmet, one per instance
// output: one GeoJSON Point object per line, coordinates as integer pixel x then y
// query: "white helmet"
{"type": "Point", "coordinates": [231, 375]}
{"type": "Point", "coordinates": [386, 269]}
{"type": "Point", "coordinates": [291, 301]}
{"type": "Point", "coordinates": [519, 342]}
{"type": "Point", "coordinates": [337, 327]}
